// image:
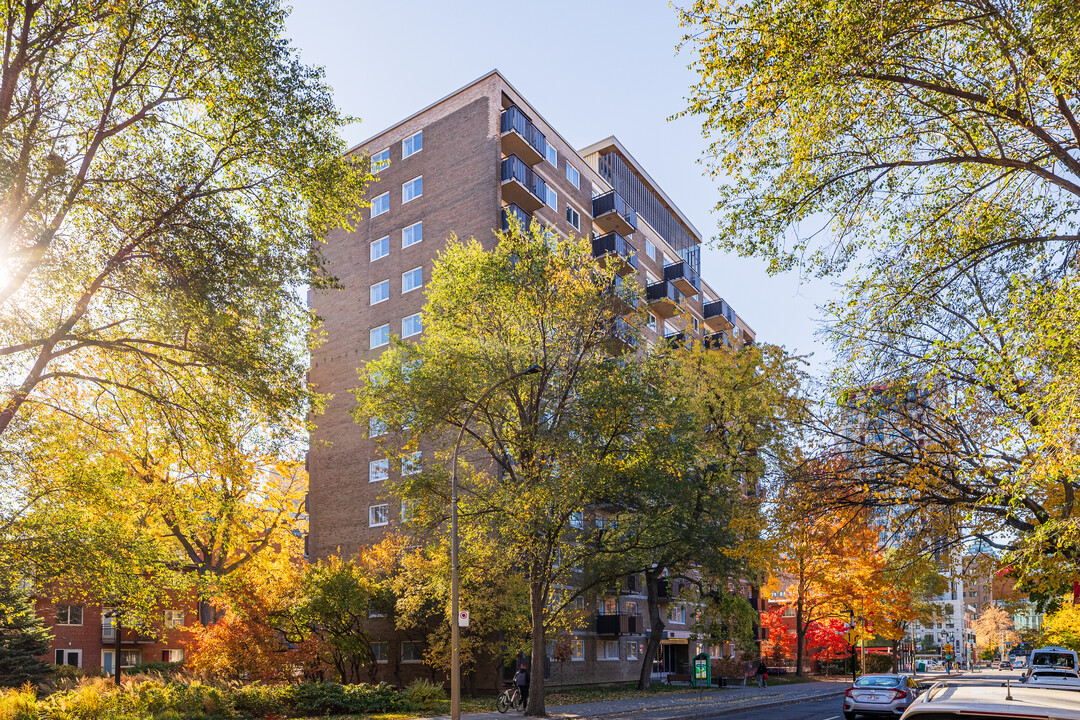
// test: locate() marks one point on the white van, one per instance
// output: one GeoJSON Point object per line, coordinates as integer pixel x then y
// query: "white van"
{"type": "Point", "coordinates": [1053, 658]}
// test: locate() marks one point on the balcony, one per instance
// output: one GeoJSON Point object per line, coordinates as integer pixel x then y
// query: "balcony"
{"type": "Point", "coordinates": [678, 338]}
{"type": "Point", "coordinates": [521, 186]}
{"type": "Point", "coordinates": [684, 277]}
{"type": "Point", "coordinates": [513, 211]}
{"type": "Point", "coordinates": [718, 316]}
{"type": "Point", "coordinates": [612, 214]}
{"type": "Point", "coordinates": [664, 298]}
{"type": "Point", "coordinates": [619, 624]}
{"type": "Point", "coordinates": [127, 636]}
{"type": "Point", "coordinates": [663, 589]}
{"type": "Point", "coordinates": [520, 137]}
{"type": "Point", "coordinates": [717, 340]}
{"type": "Point", "coordinates": [613, 247]}
{"type": "Point", "coordinates": [623, 337]}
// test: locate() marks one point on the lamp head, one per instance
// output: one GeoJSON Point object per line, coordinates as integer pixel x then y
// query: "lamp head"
{"type": "Point", "coordinates": [532, 370]}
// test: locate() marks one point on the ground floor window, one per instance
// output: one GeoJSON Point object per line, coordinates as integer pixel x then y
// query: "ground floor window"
{"type": "Point", "coordinates": [609, 650]}
{"type": "Point", "coordinates": [128, 658]}
{"type": "Point", "coordinates": [67, 656]}
{"type": "Point", "coordinates": [380, 652]}
{"type": "Point", "coordinates": [412, 652]}
{"type": "Point", "coordinates": [632, 649]}
{"type": "Point", "coordinates": [577, 650]}
{"type": "Point", "coordinates": [172, 656]}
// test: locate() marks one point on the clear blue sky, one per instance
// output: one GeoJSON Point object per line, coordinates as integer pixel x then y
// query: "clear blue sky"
{"type": "Point", "coordinates": [593, 68]}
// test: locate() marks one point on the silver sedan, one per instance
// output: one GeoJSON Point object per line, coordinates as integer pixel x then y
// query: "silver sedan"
{"type": "Point", "coordinates": [880, 695]}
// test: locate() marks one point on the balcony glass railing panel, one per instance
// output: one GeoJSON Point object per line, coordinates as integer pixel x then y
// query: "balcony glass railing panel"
{"type": "Point", "coordinates": [513, 211]}
{"type": "Point", "coordinates": [663, 290]}
{"type": "Point", "coordinates": [614, 243]}
{"type": "Point", "coordinates": [514, 119]}
{"type": "Point", "coordinates": [675, 271]}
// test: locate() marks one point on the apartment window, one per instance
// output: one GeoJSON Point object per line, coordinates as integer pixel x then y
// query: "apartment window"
{"type": "Point", "coordinates": [379, 336]}
{"type": "Point", "coordinates": [376, 427]}
{"type": "Point", "coordinates": [380, 204]}
{"type": "Point", "coordinates": [573, 217]}
{"type": "Point", "coordinates": [69, 614]}
{"type": "Point", "coordinates": [380, 248]}
{"type": "Point", "coordinates": [408, 509]}
{"type": "Point", "coordinates": [68, 656]}
{"type": "Point", "coordinates": [380, 651]}
{"type": "Point", "coordinates": [631, 650]}
{"type": "Point", "coordinates": [412, 279]}
{"type": "Point", "coordinates": [412, 234]}
{"type": "Point", "coordinates": [650, 249]}
{"type": "Point", "coordinates": [552, 155]}
{"type": "Point", "coordinates": [412, 144]}
{"type": "Point", "coordinates": [651, 322]}
{"type": "Point", "coordinates": [380, 160]}
{"type": "Point", "coordinates": [631, 607]}
{"type": "Point", "coordinates": [174, 618]}
{"type": "Point", "coordinates": [172, 656]}
{"type": "Point", "coordinates": [108, 623]}
{"type": "Point", "coordinates": [380, 291]}
{"type": "Point", "coordinates": [378, 515]}
{"type": "Point", "coordinates": [378, 470]}
{"type": "Point", "coordinates": [552, 198]}
{"type": "Point", "coordinates": [412, 189]}
{"type": "Point", "coordinates": [607, 606]}
{"type": "Point", "coordinates": [577, 650]}
{"type": "Point", "coordinates": [609, 650]}
{"type": "Point", "coordinates": [410, 464]}
{"type": "Point", "coordinates": [412, 325]}
{"type": "Point", "coordinates": [694, 322]}
{"type": "Point", "coordinates": [412, 652]}
{"type": "Point", "coordinates": [573, 175]}
{"type": "Point", "coordinates": [577, 519]}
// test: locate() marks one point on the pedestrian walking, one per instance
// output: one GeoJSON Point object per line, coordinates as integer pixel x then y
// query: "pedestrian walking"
{"type": "Point", "coordinates": [521, 679]}
{"type": "Point", "coordinates": [763, 674]}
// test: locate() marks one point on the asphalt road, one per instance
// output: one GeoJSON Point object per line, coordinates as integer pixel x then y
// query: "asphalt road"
{"type": "Point", "coordinates": [827, 709]}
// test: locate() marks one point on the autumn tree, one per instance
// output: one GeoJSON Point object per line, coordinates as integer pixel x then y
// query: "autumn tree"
{"type": "Point", "coordinates": [1062, 627]}
{"type": "Point", "coordinates": [993, 628]}
{"type": "Point", "coordinates": [826, 642]}
{"type": "Point", "coordinates": [540, 448]}
{"type": "Point", "coordinates": [933, 144]}
{"type": "Point", "coordinates": [779, 643]}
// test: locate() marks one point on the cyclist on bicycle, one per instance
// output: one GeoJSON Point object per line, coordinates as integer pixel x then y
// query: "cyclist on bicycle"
{"type": "Point", "coordinates": [521, 679]}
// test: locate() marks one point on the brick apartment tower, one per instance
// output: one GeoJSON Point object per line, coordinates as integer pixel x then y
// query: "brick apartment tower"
{"type": "Point", "coordinates": [462, 165]}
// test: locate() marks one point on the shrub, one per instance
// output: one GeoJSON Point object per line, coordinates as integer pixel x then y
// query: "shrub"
{"type": "Point", "coordinates": [423, 693]}
{"type": "Point", "coordinates": [18, 704]}
{"type": "Point", "coordinates": [154, 668]}
{"type": "Point", "coordinates": [879, 663]}
{"type": "Point", "coordinates": [263, 700]}
{"type": "Point", "coordinates": [331, 698]}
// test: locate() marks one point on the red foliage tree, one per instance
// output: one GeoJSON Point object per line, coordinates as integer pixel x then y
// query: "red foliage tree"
{"type": "Point", "coordinates": [826, 641]}
{"type": "Point", "coordinates": [780, 642]}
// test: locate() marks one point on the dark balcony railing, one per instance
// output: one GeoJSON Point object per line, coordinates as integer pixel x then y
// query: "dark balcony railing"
{"type": "Point", "coordinates": [624, 333]}
{"type": "Point", "coordinates": [717, 339]}
{"type": "Point", "coordinates": [127, 636]}
{"type": "Point", "coordinates": [663, 589]}
{"type": "Point", "coordinates": [717, 308]}
{"type": "Point", "coordinates": [682, 271]}
{"type": "Point", "coordinates": [619, 624]}
{"type": "Point", "coordinates": [514, 119]}
{"type": "Point", "coordinates": [663, 290]}
{"type": "Point", "coordinates": [514, 168]}
{"type": "Point", "coordinates": [676, 338]}
{"type": "Point", "coordinates": [613, 202]}
{"type": "Point", "coordinates": [614, 244]}
{"type": "Point", "coordinates": [513, 211]}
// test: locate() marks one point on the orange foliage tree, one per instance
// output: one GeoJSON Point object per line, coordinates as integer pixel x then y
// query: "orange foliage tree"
{"type": "Point", "coordinates": [779, 639]}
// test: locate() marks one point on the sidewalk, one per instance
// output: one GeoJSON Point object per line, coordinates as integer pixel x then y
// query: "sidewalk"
{"type": "Point", "coordinates": [707, 703]}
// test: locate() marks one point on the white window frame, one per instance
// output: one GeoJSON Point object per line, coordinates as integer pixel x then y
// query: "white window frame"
{"type": "Point", "coordinates": [378, 199]}
{"type": "Point", "coordinates": [378, 470]}
{"type": "Point", "coordinates": [551, 151]}
{"type": "Point", "coordinates": [571, 209]}
{"type": "Point", "coordinates": [405, 151]}
{"type": "Point", "coordinates": [78, 652]}
{"type": "Point", "coordinates": [575, 645]}
{"type": "Point", "coordinates": [378, 243]}
{"type": "Point", "coordinates": [67, 623]}
{"type": "Point", "coordinates": [173, 618]}
{"type": "Point", "coordinates": [371, 337]}
{"type": "Point", "coordinates": [418, 226]}
{"type": "Point", "coordinates": [408, 318]}
{"type": "Point", "coordinates": [108, 624]}
{"type": "Point", "coordinates": [411, 463]}
{"type": "Point", "coordinates": [408, 509]}
{"type": "Point", "coordinates": [378, 165]}
{"type": "Point", "coordinates": [385, 654]}
{"type": "Point", "coordinates": [651, 322]}
{"type": "Point", "coordinates": [573, 175]}
{"type": "Point", "coordinates": [410, 273]}
{"type": "Point", "coordinates": [376, 427]}
{"type": "Point", "coordinates": [177, 653]}
{"type": "Point", "coordinates": [418, 180]}
{"type": "Point", "coordinates": [631, 650]}
{"type": "Point", "coordinates": [382, 284]}
{"type": "Point", "coordinates": [416, 645]}
{"type": "Point", "coordinates": [551, 198]}
{"type": "Point", "coordinates": [371, 515]}
{"type": "Point", "coordinates": [605, 645]}
{"type": "Point", "coordinates": [650, 249]}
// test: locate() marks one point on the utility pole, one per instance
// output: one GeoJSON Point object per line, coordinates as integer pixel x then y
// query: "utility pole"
{"type": "Point", "coordinates": [851, 624]}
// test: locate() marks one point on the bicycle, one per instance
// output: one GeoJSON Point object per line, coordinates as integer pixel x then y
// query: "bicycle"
{"type": "Point", "coordinates": [510, 698]}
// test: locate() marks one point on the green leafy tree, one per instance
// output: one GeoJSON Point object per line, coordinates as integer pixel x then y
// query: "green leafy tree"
{"type": "Point", "coordinates": [24, 638]}
{"type": "Point", "coordinates": [1062, 627]}
{"type": "Point", "coordinates": [540, 449]}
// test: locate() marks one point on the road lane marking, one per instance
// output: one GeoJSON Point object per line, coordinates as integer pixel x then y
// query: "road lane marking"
{"type": "Point", "coordinates": [834, 717]}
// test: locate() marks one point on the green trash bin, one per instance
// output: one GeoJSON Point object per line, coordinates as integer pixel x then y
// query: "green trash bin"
{"type": "Point", "coordinates": [702, 671]}
{"type": "Point", "coordinates": [920, 667]}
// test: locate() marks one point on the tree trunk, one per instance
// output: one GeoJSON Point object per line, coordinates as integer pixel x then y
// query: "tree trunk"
{"type": "Point", "coordinates": [656, 628]}
{"type": "Point", "coordinates": [800, 636]}
{"type": "Point", "coordinates": [535, 707]}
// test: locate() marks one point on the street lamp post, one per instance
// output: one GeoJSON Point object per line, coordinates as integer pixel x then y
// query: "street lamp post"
{"type": "Point", "coordinates": [455, 632]}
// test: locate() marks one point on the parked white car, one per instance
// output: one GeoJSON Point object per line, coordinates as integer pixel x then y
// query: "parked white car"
{"type": "Point", "coordinates": [1008, 700]}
